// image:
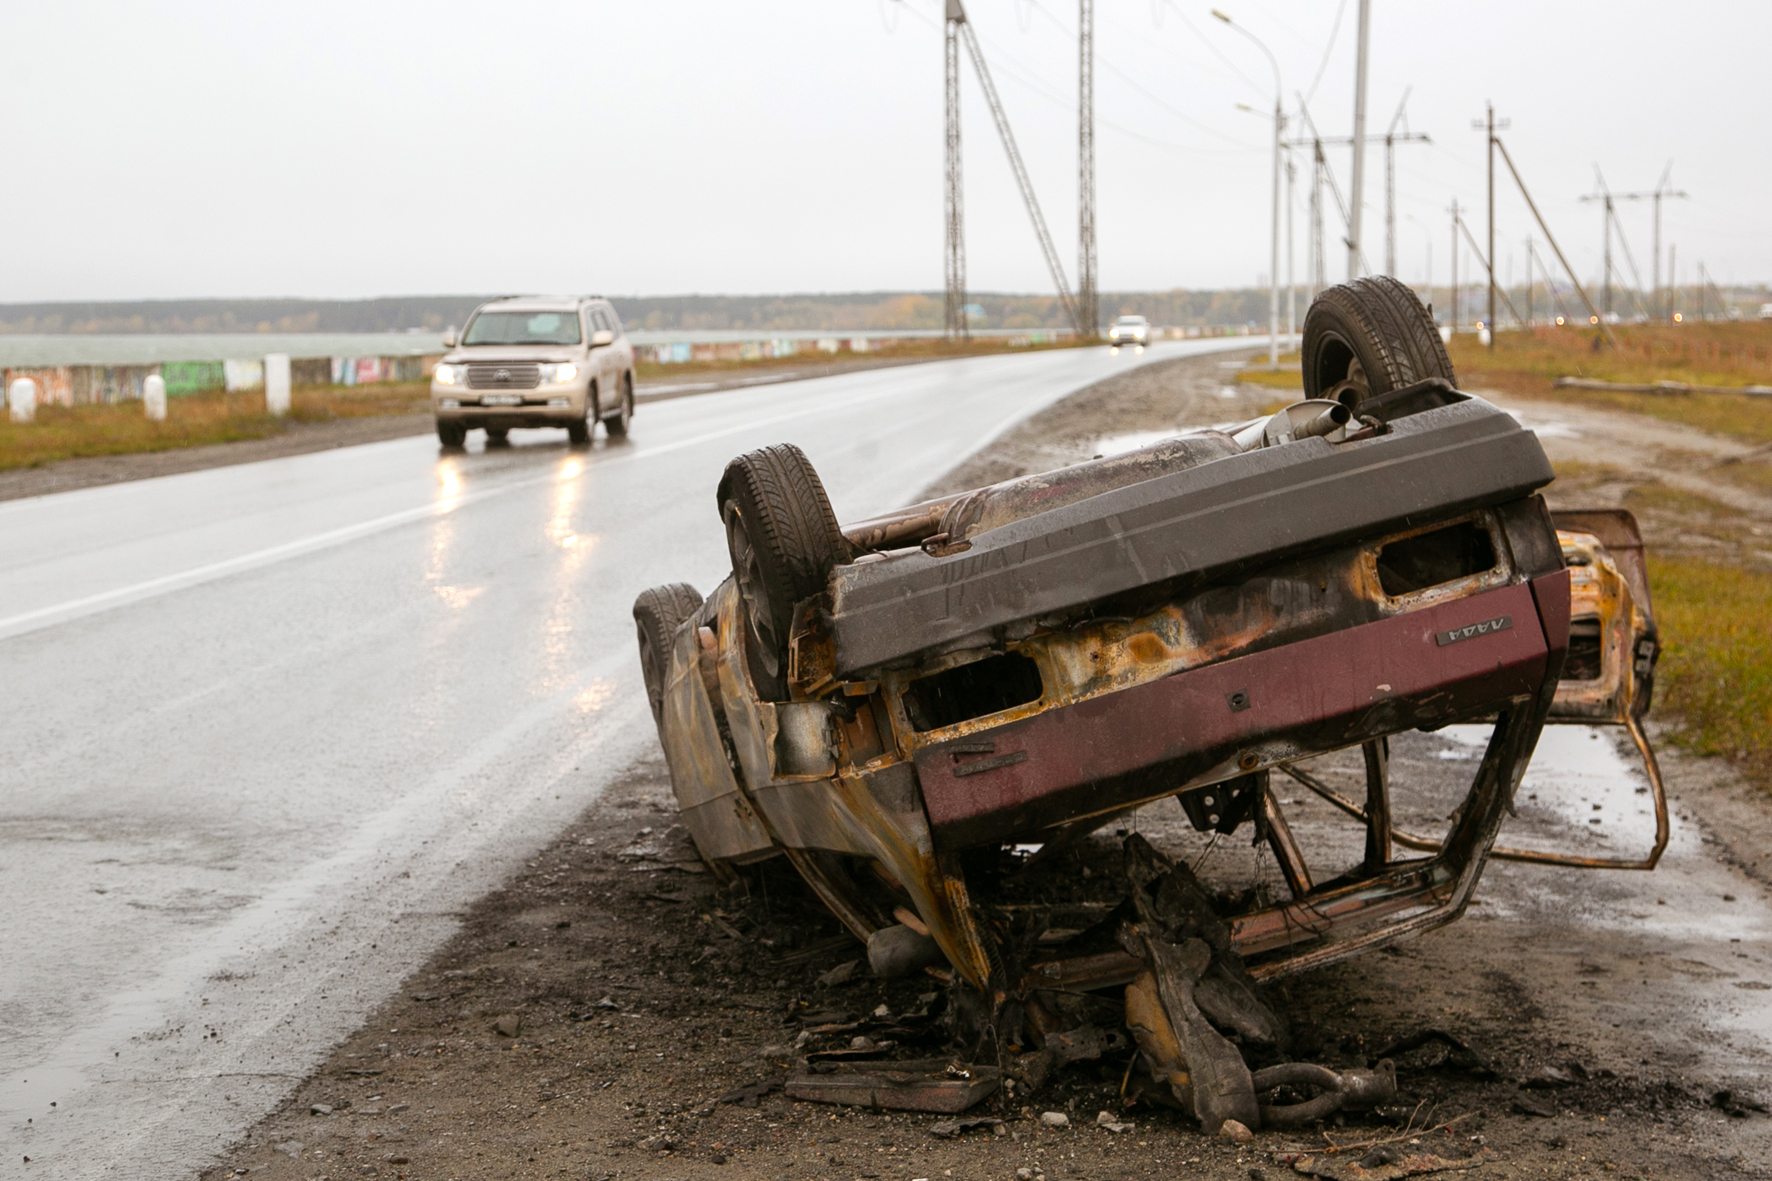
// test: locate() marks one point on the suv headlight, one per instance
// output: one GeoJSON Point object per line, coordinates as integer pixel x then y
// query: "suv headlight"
{"type": "Point", "coordinates": [558, 374]}
{"type": "Point", "coordinates": [449, 374]}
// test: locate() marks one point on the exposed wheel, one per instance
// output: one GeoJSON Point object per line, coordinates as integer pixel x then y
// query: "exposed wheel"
{"type": "Point", "coordinates": [451, 434]}
{"type": "Point", "coordinates": [578, 432]}
{"type": "Point", "coordinates": [1368, 337]}
{"type": "Point", "coordinates": [658, 613]}
{"type": "Point", "coordinates": [783, 539]}
{"type": "Point", "coordinates": [498, 436]}
{"type": "Point", "coordinates": [618, 426]}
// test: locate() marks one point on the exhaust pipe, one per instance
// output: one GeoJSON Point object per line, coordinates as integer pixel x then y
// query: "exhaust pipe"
{"type": "Point", "coordinates": [1301, 420]}
{"type": "Point", "coordinates": [1332, 419]}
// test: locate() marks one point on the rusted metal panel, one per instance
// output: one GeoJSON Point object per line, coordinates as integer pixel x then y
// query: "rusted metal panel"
{"type": "Point", "coordinates": [718, 816]}
{"type": "Point", "coordinates": [1317, 694]}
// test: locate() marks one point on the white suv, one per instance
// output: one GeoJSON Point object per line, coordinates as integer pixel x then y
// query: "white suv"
{"type": "Point", "coordinates": [535, 361]}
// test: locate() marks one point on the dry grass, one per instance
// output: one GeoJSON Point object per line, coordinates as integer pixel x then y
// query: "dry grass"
{"type": "Point", "coordinates": [1716, 666]}
{"type": "Point", "coordinates": [68, 432]}
{"type": "Point", "coordinates": [1526, 364]}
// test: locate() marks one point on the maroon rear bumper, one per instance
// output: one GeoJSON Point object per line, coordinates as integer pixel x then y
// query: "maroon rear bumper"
{"type": "Point", "coordinates": [1427, 667]}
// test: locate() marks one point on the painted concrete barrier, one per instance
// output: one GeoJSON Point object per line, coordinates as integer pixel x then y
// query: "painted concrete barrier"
{"type": "Point", "coordinates": [87, 385]}
{"type": "Point", "coordinates": [154, 397]}
{"type": "Point", "coordinates": [21, 400]}
{"type": "Point", "coordinates": [276, 377]}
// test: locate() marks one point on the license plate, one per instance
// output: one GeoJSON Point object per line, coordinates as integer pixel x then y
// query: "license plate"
{"type": "Point", "coordinates": [502, 400]}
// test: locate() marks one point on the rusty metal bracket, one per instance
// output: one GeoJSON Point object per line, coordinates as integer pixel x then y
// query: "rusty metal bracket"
{"type": "Point", "coordinates": [1423, 844]}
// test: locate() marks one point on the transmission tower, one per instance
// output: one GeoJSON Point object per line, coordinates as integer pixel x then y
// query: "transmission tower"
{"type": "Point", "coordinates": [954, 309]}
{"type": "Point", "coordinates": [959, 27]}
{"type": "Point", "coordinates": [1088, 309]}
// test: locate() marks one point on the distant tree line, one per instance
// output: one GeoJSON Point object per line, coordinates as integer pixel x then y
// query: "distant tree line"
{"type": "Point", "coordinates": [846, 312]}
{"type": "Point", "coordinates": [841, 312]}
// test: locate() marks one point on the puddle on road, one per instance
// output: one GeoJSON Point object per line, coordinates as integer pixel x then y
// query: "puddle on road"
{"type": "Point", "coordinates": [1702, 924]}
{"type": "Point", "coordinates": [1581, 792]}
{"type": "Point", "coordinates": [1546, 428]}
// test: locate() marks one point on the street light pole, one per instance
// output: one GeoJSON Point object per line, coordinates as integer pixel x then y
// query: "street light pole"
{"type": "Point", "coordinates": [1273, 273]}
{"type": "Point", "coordinates": [1356, 208]}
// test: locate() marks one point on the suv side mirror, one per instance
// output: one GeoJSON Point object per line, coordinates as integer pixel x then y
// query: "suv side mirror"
{"type": "Point", "coordinates": [601, 337]}
{"type": "Point", "coordinates": [449, 337]}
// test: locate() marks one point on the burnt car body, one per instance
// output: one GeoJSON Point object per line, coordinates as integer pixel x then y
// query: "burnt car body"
{"type": "Point", "coordinates": [1023, 663]}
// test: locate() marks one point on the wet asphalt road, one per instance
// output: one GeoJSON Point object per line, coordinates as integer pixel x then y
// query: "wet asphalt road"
{"type": "Point", "coordinates": [270, 726]}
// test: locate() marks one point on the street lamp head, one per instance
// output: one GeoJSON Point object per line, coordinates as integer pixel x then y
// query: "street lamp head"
{"type": "Point", "coordinates": [1221, 16]}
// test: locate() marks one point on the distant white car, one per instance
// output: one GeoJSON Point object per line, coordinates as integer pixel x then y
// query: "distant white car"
{"type": "Point", "coordinates": [1130, 330]}
{"type": "Point", "coordinates": [1766, 311]}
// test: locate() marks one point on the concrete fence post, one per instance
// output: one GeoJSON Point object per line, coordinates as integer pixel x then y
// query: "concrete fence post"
{"type": "Point", "coordinates": [277, 383]}
{"type": "Point", "coordinates": [21, 399]}
{"type": "Point", "coordinates": [154, 397]}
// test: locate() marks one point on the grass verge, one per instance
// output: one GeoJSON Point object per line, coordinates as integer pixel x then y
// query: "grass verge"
{"type": "Point", "coordinates": [920, 349]}
{"type": "Point", "coordinates": [1715, 673]}
{"type": "Point", "coordinates": [69, 432]}
{"type": "Point", "coordinates": [1527, 364]}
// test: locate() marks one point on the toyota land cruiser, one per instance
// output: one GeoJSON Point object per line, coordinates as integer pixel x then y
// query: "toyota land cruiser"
{"type": "Point", "coordinates": [535, 361]}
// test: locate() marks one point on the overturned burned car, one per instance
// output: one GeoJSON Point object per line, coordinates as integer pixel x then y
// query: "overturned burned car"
{"type": "Point", "coordinates": [891, 704]}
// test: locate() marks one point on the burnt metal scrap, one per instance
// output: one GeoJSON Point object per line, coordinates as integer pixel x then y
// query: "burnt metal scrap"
{"type": "Point", "coordinates": [891, 706]}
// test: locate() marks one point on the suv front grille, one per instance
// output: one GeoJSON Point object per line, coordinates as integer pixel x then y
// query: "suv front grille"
{"type": "Point", "coordinates": [492, 376]}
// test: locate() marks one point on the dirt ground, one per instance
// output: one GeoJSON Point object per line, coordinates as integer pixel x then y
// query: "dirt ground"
{"type": "Point", "coordinates": [612, 1012]}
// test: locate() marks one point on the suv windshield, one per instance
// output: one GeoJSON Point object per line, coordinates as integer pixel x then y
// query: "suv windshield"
{"type": "Point", "coordinates": [522, 328]}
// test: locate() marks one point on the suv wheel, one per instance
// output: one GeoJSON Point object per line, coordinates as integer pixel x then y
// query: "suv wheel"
{"type": "Point", "coordinates": [498, 436]}
{"type": "Point", "coordinates": [783, 540]}
{"type": "Point", "coordinates": [451, 434]}
{"type": "Point", "coordinates": [658, 613]}
{"type": "Point", "coordinates": [1369, 337]}
{"type": "Point", "coordinates": [578, 431]}
{"type": "Point", "coordinates": [618, 426]}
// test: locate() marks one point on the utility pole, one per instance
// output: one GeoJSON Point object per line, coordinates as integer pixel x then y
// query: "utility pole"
{"type": "Point", "coordinates": [1291, 283]}
{"type": "Point", "coordinates": [954, 323]}
{"type": "Point", "coordinates": [1391, 140]}
{"type": "Point", "coordinates": [1453, 255]}
{"type": "Point", "coordinates": [1489, 126]}
{"type": "Point", "coordinates": [1531, 308]}
{"type": "Point", "coordinates": [1673, 282]}
{"type": "Point", "coordinates": [1273, 292]}
{"type": "Point", "coordinates": [1661, 190]}
{"type": "Point", "coordinates": [1357, 189]}
{"type": "Point", "coordinates": [1088, 303]}
{"type": "Point", "coordinates": [1606, 258]}
{"type": "Point", "coordinates": [1319, 279]}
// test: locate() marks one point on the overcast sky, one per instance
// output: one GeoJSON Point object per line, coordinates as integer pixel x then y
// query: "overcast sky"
{"type": "Point", "coordinates": [353, 149]}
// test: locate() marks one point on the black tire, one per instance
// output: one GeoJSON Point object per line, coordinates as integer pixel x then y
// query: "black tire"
{"type": "Point", "coordinates": [578, 432]}
{"type": "Point", "coordinates": [658, 613]}
{"type": "Point", "coordinates": [1369, 337]}
{"type": "Point", "coordinates": [618, 426]}
{"type": "Point", "coordinates": [498, 436]}
{"type": "Point", "coordinates": [452, 434]}
{"type": "Point", "coordinates": [783, 540]}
